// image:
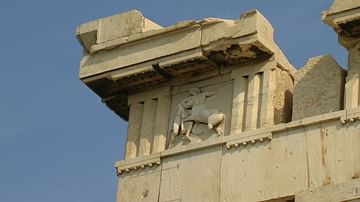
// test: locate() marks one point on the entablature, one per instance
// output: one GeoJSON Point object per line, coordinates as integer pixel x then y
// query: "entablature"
{"type": "Point", "coordinates": [148, 55]}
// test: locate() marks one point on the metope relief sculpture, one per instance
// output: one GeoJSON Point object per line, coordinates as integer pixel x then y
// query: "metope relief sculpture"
{"type": "Point", "coordinates": [192, 111]}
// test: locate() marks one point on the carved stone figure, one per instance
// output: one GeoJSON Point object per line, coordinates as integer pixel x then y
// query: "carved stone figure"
{"type": "Point", "coordinates": [193, 110]}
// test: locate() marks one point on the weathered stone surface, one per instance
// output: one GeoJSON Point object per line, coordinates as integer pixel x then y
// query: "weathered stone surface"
{"type": "Point", "coordinates": [123, 25]}
{"type": "Point", "coordinates": [344, 17]}
{"type": "Point", "coordinates": [346, 191]}
{"type": "Point", "coordinates": [139, 186]}
{"type": "Point", "coordinates": [283, 96]}
{"type": "Point", "coordinates": [301, 155]}
{"type": "Point", "coordinates": [318, 88]}
{"type": "Point", "coordinates": [148, 122]}
{"type": "Point", "coordinates": [343, 5]}
{"type": "Point", "coordinates": [202, 167]}
{"type": "Point", "coordinates": [113, 27]}
{"type": "Point", "coordinates": [352, 85]}
{"type": "Point", "coordinates": [87, 34]}
{"type": "Point", "coordinates": [141, 55]}
{"type": "Point", "coordinates": [244, 80]}
{"type": "Point", "coordinates": [237, 93]}
{"type": "Point", "coordinates": [211, 104]}
{"type": "Point", "coordinates": [262, 96]}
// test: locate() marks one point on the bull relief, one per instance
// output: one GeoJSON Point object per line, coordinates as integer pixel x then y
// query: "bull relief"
{"type": "Point", "coordinates": [193, 111]}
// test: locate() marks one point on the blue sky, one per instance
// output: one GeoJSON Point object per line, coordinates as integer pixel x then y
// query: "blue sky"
{"type": "Point", "coordinates": [58, 142]}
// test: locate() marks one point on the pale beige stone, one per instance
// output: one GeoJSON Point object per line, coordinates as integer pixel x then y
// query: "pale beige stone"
{"type": "Point", "coordinates": [347, 191]}
{"type": "Point", "coordinates": [253, 101]}
{"type": "Point", "coordinates": [344, 16]}
{"type": "Point", "coordinates": [87, 34]}
{"type": "Point", "coordinates": [148, 122]}
{"type": "Point", "coordinates": [262, 96]}
{"type": "Point", "coordinates": [193, 110]}
{"type": "Point", "coordinates": [318, 88]}
{"type": "Point", "coordinates": [147, 126]}
{"type": "Point", "coordinates": [200, 46]}
{"type": "Point", "coordinates": [139, 52]}
{"type": "Point", "coordinates": [233, 72]}
{"type": "Point", "coordinates": [134, 128]}
{"type": "Point", "coordinates": [302, 155]}
{"type": "Point", "coordinates": [283, 96]}
{"type": "Point", "coordinates": [161, 124]}
{"type": "Point", "coordinates": [266, 114]}
{"type": "Point", "coordinates": [240, 86]}
{"type": "Point", "coordinates": [213, 110]}
{"type": "Point", "coordinates": [343, 5]}
{"type": "Point", "coordinates": [123, 25]}
{"type": "Point", "coordinates": [139, 186]}
{"type": "Point", "coordinates": [201, 167]}
{"type": "Point", "coordinates": [352, 86]}
{"type": "Point", "coordinates": [113, 27]}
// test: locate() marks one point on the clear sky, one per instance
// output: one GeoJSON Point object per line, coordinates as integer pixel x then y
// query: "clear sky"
{"type": "Point", "coordinates": [58, 142]}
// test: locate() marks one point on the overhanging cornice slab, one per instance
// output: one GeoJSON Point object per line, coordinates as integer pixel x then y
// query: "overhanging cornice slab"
{"type": "Point", "coordinates": [149, 58]}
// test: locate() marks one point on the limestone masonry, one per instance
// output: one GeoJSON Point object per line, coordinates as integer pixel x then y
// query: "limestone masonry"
{"type": "Point", "coordinates": [217, 113]}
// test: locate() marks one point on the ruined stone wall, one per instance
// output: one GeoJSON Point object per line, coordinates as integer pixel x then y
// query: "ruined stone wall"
{"type": "Point", "coordinates": [283, 97]}
{"type": "Point", "coordinates": [319, 88]}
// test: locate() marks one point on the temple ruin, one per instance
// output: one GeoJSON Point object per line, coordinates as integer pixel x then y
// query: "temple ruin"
{"type": "Point", "coordinates": [216, 112]}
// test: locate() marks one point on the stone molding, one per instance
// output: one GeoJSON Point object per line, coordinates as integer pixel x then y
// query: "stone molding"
{"type": "Point", "coordinates": [137, 164]}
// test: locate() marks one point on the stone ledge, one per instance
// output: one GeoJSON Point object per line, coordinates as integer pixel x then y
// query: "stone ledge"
{"type": "Point", "coordinates": [250, 37]}
{"type": "Point", "coordinates": [250, 138]}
